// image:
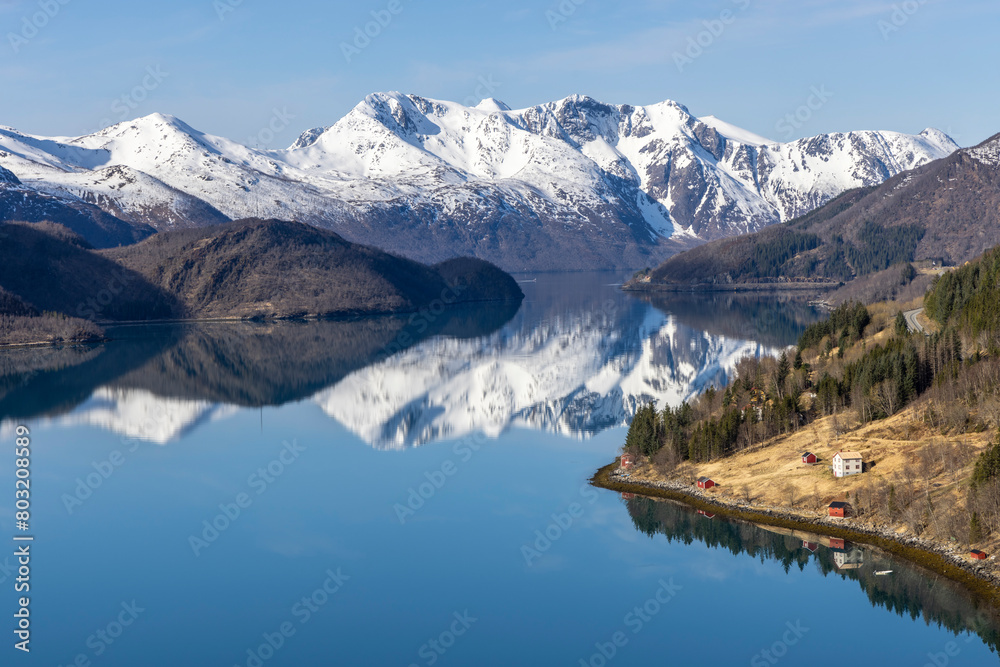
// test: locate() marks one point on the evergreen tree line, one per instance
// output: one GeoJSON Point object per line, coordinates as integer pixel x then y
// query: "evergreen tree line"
{"type": "Point", "coordinates": [846, 323]}
{"type": "Point", "coordinates": [969, 299]}
{"type": "Point", "coordinates": [770, 254]}
{"type": "Point", "coordinates": [880, 247]}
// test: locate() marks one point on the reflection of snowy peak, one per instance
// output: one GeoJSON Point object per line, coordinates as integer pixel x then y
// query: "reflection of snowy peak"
{"type": "Point", "coordinates": [139, 414]}
{"type": "Point", "coordinates": [576, 377]}
{"type": "Point", "coordinates": [574, 183]}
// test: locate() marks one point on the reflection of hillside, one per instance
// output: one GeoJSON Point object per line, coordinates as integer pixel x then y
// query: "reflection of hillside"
{"type": "Point", "coordinates": [578, 356]}
{"type": "Point", "coordinates": [909, 590]}
{"type": "Point", "coordinates": [244, 364]}
{"type": "Point", "coordinates": [57, 380]}
{"type": "Point", "coordinates": [775, 320]}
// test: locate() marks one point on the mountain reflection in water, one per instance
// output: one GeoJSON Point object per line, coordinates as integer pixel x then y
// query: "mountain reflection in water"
{"type": "Point", "coordinates": [578, 356]}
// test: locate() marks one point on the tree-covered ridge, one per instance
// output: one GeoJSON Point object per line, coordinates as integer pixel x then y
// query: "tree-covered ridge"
{"type": "Point", "coordinates": [969, 299]}
{"type": "Point", "coordinates": [846, 323]}
{"type": "Point", "coordinates": [878, 247]}
{"type": "Point", "coordinates": [756, 257]}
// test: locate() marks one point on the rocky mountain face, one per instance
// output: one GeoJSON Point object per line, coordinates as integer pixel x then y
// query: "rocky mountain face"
{"type": "Point", "coordinates": [946, 212]}
{"type": "Point", "coordinates": [571, 184]}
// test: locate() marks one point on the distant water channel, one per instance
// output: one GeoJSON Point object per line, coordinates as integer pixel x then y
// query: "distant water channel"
{"type": "Point", "coordinates": [412, 491]}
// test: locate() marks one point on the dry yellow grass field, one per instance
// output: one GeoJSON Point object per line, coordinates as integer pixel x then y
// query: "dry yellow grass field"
{"type": "Point", "coordinates": [774, 476]}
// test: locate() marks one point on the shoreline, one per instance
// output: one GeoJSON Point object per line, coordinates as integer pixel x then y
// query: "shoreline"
{"type": "Point", "coordinates": [931, 555]}
{"type": "Point", "coordinates": [342, 316]}
{"type": "Point", "coordinates": [733, 287]}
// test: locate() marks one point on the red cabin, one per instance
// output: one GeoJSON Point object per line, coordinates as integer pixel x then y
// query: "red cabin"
{"type": "Point", "coordinates": [811, 546]}
{"type": "Point", "coordinates": [809, 457]}
{"type": "Point", "coordinates": [627, 461]}
{"type": "Point", "coordinates": [710, 515]}
{"type": "Point", "coordinates": [976, 554]}
{"type": "Point", "coordinates": [705, 483]}
{"type": "Point", "coordinates": [836, 543]}
{"type": "Point", "coordinates": [628, 496]}
{"type": "Point", "coordinates": [839, 509]}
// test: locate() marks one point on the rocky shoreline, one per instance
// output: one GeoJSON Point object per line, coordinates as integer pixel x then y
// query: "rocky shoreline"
{"type": "Point", "coordinates": [981, 578]}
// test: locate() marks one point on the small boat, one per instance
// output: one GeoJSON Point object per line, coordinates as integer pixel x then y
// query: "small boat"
{"type": "Point", "coordinates": [533, 280]}
{"type": "Point", "coordinates": [881, 572]}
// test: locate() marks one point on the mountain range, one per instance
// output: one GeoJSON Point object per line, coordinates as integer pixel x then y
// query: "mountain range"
{"type": "Point", "coordinates": [572, 184]}
{"type": "Point", "coordinates": [944, 213]}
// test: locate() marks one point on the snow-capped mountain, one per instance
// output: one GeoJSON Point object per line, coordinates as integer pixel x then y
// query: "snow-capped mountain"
{"type": "Point", "coordinates": [570, 184]}
{"type": "Point", "coordinates": [28, 204]}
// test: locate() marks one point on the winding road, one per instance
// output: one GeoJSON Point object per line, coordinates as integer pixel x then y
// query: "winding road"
{"type": "Point", "coordinates": [911, 320]}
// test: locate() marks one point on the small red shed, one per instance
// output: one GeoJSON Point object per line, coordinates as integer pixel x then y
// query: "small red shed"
{"type": "Point", "coordinates": [836, 543]}
{"type": "Point", "coordinates": [811, 546]}
{"type": "Point", "coordinates": [809, 457]}
{"type": "Point", "coordinates": [976, 554]}
{"type": "Point", "coordinates": [705, 483]}
{"type": "Point", "coordinates": [628, 496]}
{"type": "Point", "coordinates": [840, 509]}
{"type": "Point", "coordinates": [710, 515]}
{"type": "Point", "coordinates": [627, 461]}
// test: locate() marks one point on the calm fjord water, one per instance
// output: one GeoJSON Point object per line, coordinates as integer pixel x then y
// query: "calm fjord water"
{"type": "Point", "coordinates": [396, 492]}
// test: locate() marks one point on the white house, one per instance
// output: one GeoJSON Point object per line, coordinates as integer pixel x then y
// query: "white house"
{"type": "Point", "coordinates": [846, 463]}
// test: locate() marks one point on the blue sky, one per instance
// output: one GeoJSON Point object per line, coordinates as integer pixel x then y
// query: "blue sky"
{"type": "Point", "coordinates": [235, 67]}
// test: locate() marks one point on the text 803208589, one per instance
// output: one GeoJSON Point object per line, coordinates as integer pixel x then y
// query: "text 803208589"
{"type": "Point", "coordinates": [22, 552]}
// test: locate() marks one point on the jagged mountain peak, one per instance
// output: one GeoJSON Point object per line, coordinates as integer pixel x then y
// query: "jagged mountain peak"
{"type": "Point", "coordinates": [492, 105]}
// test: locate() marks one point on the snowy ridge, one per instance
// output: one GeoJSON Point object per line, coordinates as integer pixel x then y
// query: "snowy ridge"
{"type": "Point", "coordinates": [574, 168]}
{"type": "Point", "coordinates": [987, 152]}
{"type": "Point", "coordinates": [139, 414]}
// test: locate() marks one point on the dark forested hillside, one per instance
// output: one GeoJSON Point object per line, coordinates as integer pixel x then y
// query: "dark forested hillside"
{"type": "Point", "coordinates": [272, 268]}
{"type": "Point", "coordinates": [245, 269]}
